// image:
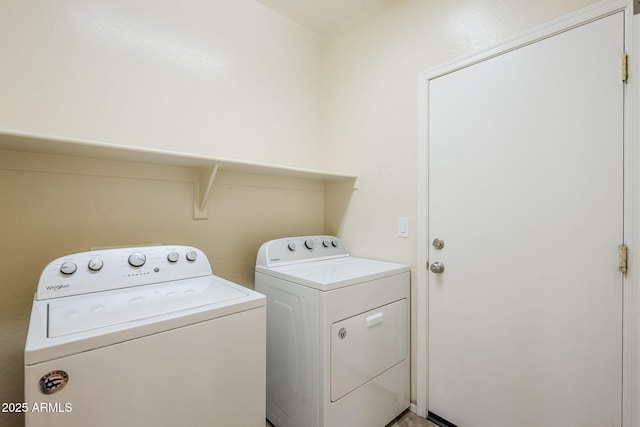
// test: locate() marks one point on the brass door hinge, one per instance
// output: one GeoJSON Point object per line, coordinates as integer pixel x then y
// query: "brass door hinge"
{"type": "Point", "coordinates": [623, 252]}
{"type": "Point", "coordinates": [624, 67]}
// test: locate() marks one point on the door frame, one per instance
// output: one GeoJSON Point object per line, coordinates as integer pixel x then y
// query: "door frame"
{"type": "Point", "coordinates": [631, 297]}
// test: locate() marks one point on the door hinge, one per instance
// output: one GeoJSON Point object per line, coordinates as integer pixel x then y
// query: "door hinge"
{"type": "Point", "coordinates": [623, 252]}
{"type": "Point", "coordinates": [624, 67]}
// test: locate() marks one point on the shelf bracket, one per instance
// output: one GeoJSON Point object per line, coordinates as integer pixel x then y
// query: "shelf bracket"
{"type": "Point", "coordinates": [203, 184]}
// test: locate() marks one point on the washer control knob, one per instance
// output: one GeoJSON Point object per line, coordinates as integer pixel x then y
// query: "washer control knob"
{"type": "Point", "coordinates": [173, 256]}
{"type": "Point", "coordinates": [334, 243]}
{"type": "Point", "coordinates": [137, 259]}
{"type": "Point", "coordinates": [291, 246]}
{"type": "Point", "coordinates": [96, 264]}
{"type": "Point", "coordinates": [191, 256]}
{"type": "Point", "coordinates": [326, 243]}
{"type": "Point", "coordinates": [68, 268]}
{"type": "Point", "coordinates": [308, 244]}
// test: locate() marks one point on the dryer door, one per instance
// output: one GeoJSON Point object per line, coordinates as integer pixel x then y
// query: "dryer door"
{"type": "Point", "coordinates": [366, 345]}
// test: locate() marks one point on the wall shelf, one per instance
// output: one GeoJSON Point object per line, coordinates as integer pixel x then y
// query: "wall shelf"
{"type": "Point", "coordinates": [207, 166]}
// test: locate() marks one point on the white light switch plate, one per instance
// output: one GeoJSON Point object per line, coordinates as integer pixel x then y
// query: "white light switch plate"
{"type": "Point", "coordinates": [403, 227]}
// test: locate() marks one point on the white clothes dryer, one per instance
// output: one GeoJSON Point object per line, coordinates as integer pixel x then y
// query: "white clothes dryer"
{"type": "Point", "coordinates": [143, 336]}
{"type": "Point", "coordinates": [337, 334]}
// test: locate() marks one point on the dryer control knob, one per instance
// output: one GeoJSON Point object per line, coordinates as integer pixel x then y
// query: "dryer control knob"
{"type": "Point", "coordinates": [334, 243]}
{"type": "Point", "coordinates": [326, 243]}
{"type": "Point", "coordinates": [68, 268]}
{"type": "Point", "coordinates": [191, 256]}
{"type": "Point", "coordinates": [173, 256]}
{"type": "Point", "coordinates": [291, 246]}
{"type": "Point", "coordinates": [308, 244]}
{"type": "Point", "coordinates": [137, 259]}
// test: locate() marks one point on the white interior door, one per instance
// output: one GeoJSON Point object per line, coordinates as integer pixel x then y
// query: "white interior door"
{"type": "Point", "coordinates": [526, 191]}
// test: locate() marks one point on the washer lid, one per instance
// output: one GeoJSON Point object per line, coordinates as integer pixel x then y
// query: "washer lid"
{"type": "Point", "coordinates": [335, 273]}
{"type": "Point", "coordinates": [92, 311]}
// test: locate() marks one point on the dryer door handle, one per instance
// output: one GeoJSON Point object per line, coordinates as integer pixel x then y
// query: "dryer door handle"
{"type": "Point", "coordinates": [374, 319]}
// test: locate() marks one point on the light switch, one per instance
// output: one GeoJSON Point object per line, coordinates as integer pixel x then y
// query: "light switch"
{"type": "Point", "coordinates": [403, 227]}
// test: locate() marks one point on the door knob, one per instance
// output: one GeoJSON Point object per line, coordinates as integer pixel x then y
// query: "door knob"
{"type": "Point", "coordinates": [437, 267]}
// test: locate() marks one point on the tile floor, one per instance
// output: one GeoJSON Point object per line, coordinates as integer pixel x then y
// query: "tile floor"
{"type": "Point", "coordinates": [408, 419]}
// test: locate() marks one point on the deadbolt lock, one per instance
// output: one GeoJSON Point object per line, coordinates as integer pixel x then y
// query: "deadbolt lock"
{"type": "Point", "coordinates": [437, 267]}
{"type": "Point", "coordinates": [438, 243]}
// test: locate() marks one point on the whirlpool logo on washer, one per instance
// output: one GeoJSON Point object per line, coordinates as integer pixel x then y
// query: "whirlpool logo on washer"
{"type": "Point", "coordinates": [57, 287]}
{"type": "Point", "coordinates": [53, 382]}
{"type": "Point", "coordinates": [342, 333]}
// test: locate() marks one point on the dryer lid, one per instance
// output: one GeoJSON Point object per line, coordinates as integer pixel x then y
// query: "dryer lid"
{"type": "Point", "coordinates": [97, 310]}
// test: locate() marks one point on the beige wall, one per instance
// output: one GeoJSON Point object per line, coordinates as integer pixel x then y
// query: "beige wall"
{"type": "Point", "coordinates": [370, 105]}
{"type": "Point", "coordinates": [217, 77]}
{"type": "Point", "coordinates": [226, 78]}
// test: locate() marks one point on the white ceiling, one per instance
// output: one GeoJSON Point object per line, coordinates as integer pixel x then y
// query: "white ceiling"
{"type": "Point", "coordinates": [319, 16]}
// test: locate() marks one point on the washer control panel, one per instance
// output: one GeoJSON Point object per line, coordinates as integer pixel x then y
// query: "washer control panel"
{"type": "Point", "coordinates": [108, 269]}
{"type": "Point", "coordinates": [291, 250]}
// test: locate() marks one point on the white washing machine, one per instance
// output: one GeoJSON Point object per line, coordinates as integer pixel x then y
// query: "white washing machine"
{"type": "Point", "coordinates": [144, 337]}
{"type": "Point", "coordinates": [337, 334]}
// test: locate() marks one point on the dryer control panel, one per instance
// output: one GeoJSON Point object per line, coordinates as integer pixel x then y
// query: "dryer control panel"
{"type": "Point", "coordinates": [107, 269]}
{"type": "Point", "coordinates": [291, 250]}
